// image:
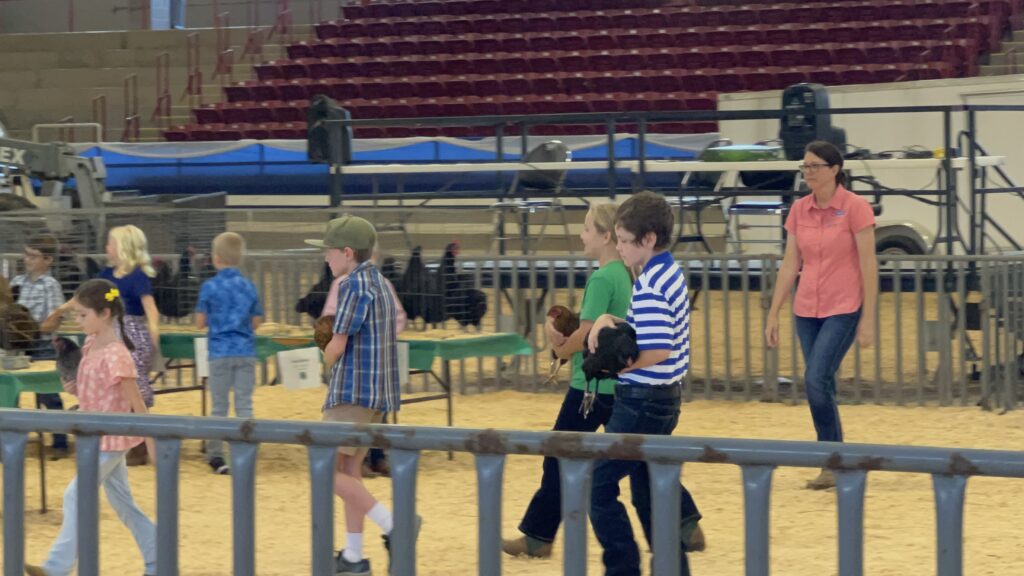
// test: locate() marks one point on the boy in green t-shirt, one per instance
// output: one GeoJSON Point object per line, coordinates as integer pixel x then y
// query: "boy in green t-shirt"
{"type": "Point", "coordinates": [608, 291]}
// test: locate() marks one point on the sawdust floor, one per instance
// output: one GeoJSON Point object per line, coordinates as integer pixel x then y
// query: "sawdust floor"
{"type": "Point", "coordinates": [899, 528]}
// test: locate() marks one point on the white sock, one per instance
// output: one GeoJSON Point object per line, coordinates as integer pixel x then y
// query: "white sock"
{"type": "Point", "coordinates": [381, 516]}
{"type": "Point", "coordinates": [353, 547]}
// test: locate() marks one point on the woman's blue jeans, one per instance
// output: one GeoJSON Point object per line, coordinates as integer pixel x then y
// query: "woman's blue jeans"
{"type": "Point", "coordinates": [825, 342]}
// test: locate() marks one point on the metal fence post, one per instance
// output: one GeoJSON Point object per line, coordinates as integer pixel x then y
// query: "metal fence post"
{"type": "Point", "coordinates": [243, 486]}
{"type": "Point", "coordinates": [850, 488]}
{"type": "Point", "coordinates": [575, 475]}
{"type": "Point", "coordinates": [168, 459]}
{"type": "Point", "coordinates": [13, 446]}
{"type": "Point", "coordinates": [87, 455]}
{"type": "Point", "coordinates": [404, 464]}
{"type": "Point", "coordinates": [321, 477]}
{"type": "Point", "coordinates": [757, 486]}
{"type": "Point", "coordinates": [490, 470]}
{"type": "Point", "coordinates": [665, 516]}
{"type": "Point", "coordinates": [949, 523]}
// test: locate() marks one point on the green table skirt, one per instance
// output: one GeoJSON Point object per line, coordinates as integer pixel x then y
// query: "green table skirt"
{"type": "Point", "coordinates": [423, 352]}
{"type": "Point", "coordinates": [14, 383]}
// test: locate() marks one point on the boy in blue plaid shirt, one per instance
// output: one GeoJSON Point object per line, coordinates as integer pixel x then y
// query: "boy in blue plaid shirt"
{"type": "Point", "coordinates": [363, 359]}
{"type": "Point", "coordinates": [41, 294]}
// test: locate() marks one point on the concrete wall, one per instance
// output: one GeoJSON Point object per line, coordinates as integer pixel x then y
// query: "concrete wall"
{"type": "Point", "coordinates": [35, 16]}
{"type": "Point", "coordinates": [998, 132]}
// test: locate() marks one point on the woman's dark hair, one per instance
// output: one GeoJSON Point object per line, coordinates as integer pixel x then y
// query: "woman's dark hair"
{"type": "Point", "coordinates": [99, 295]}
{"type": "Point", "coordinates": [831, 155]}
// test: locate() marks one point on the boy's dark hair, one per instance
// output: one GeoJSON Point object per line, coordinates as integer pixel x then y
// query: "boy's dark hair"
{"type": "Point", "coordinates": [362, 255]}
{"type": "Point", "coordinates": [45, 244]}
{"type": "Point", "coordinates": [831, 155]}
{"type": "Point", "coordinates": [646, 212]}
{"type": "Point", "coordinates": [99, 295]}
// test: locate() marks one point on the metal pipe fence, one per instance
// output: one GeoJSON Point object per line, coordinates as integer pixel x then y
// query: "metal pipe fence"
{"type": "Point", "coordinates": [950, 327]}
{"type": "Point", "coordinates": [757, 459]}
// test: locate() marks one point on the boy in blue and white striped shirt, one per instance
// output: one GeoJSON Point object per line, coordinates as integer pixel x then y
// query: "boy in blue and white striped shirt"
{"type": "Point", "coordinates": [648, 394]}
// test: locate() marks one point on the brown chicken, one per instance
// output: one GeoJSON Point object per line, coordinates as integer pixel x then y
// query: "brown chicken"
{"type": "Point", "coordinates": [323, 331]}
{"type": "Point", "coordinates": [565, 322]}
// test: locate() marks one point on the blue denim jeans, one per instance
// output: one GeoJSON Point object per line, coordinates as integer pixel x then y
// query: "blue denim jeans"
{"type": "Point", "coordinates": [114, 478]}
{"type": "Point", "coordinates": [825, 342]}
{"type": "Point", "coordinates": [633, 414]}
{"type": "Point", "coordinates": [544, 514]}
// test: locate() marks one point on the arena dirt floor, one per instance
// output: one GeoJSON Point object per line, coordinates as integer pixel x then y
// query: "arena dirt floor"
{"type": "Point", "coordinates": [899, 527]}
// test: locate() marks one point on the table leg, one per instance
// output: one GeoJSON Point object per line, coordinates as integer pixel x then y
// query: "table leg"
{"type": "Point", "coordinates": [42, 474]}
{"type": "Point", "coordinates": [446, 382]}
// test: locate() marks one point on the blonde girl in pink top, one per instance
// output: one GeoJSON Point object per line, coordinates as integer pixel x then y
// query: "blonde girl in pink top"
{"type": "Point", "coordinates": [832, 247]}
{"type": "Point", "coordinates": [105, 383]}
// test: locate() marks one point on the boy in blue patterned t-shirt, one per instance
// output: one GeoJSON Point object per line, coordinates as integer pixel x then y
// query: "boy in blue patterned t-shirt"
{"type": "Point", "coordinates": [230, 307]}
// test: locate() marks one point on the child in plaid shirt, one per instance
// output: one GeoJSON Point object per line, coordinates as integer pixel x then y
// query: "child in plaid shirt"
{"type": "Point", "coordinates": [41, 294]}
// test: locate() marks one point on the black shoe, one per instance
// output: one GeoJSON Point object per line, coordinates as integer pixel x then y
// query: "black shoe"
{"type": "Point", "coordinates": [387, 539]}
{"type": "Point", "coordinates": [219, 466]}
{"type": "Point", "coordinates": [59, 453]}
{"type": "Point", "coordinates": [343, 567]}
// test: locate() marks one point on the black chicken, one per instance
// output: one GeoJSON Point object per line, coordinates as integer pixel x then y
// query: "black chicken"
{"type": "Point", "coordinates": [463, 303]}
{"type": "Point", "coordinates": [616, 349]}
{"type": "Point", "coordinates": [414, 285]}
{"type": "Point", "coordinates": [176, 293]}
{"type": "Point", "coordinates": [69, 356]}
{"type": "Point", "coordinates": [313, 302]}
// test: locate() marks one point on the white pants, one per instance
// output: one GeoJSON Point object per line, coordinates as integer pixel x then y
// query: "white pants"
{"type": "Point", "coordinates": [114, 478]}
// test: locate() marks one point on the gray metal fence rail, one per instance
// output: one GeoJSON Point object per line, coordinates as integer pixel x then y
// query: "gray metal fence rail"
{"type": "Point", "coordinates": [950, 469]}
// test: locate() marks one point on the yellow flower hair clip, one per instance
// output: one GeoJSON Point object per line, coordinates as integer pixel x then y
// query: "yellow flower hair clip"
{"type": "Point", "coordinates": [113, 294]}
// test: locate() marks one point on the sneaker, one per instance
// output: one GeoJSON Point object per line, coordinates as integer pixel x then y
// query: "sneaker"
{"type": "Point", "coordinates": [696, 542]}
{"type": "Point", "coordinates": [526, 546]}
{"type": "Point", "coordinates": [368, 471]}
{"type": "Point", "coordinates": [219, 466]}
{"type": "Point", "coordinates": [387, 539]}
{"type": "Point", "coordinates": [343, 567]}
{"type": "Point", "coordinates": [824, 481]}
{"type": "Point", "coordinates": [34, 570]}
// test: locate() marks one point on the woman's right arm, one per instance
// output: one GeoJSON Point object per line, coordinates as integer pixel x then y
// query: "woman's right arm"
{"type": "Point", "coordinates": [791, 263]}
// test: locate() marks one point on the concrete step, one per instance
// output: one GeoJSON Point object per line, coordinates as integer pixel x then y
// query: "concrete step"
{"type": "Point", "coordinates": [1001, 69]}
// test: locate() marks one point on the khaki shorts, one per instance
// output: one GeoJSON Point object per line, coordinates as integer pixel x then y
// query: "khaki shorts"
{"type": "Point", "coordinates": [352, 414]}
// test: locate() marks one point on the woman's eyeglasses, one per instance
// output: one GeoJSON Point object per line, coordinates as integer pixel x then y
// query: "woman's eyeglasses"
{"type": "Point", "coordinates": [811, 167]}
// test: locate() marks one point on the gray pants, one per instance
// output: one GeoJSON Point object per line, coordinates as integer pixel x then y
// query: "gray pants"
{"type": "Point", "coordinates": [236, 374]}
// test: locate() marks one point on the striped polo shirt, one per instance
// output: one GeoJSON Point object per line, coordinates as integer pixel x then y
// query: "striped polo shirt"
{"type": "Point", "coordinates": [660, 313]}
{"type": "Point", "coordinates": [367, 373]}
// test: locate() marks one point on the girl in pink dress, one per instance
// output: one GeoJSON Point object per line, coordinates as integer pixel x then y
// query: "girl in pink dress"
{"type": "Point", "coordinates": [106, 382]}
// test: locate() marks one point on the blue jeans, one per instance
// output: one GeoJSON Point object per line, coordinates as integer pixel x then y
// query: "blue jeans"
{"type": "Point", "coordinates": [544, 514]}
{"type": "Point", "coordinates": [657, 413]}
{"type": "Point", "coordinates": [114, 479]}
{"type": "Point", "coordinates": [825, 342]}
{"type": "Point", "coordinates": [227, 375]}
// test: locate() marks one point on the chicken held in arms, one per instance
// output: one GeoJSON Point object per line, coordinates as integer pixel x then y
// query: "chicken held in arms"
{"type": "Point", "coordinates": [565, 322]}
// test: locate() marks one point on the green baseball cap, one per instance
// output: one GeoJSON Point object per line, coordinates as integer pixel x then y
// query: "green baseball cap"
{"type": "Point", "coordinates": [347, 232]}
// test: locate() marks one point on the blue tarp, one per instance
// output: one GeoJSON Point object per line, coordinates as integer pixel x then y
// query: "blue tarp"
{"type": "Point", "coordinates": [281, 167]}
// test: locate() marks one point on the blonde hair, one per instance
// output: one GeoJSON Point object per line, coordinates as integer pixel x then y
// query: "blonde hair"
{"type": "Point", "coordinates": [132, 250]}
{"type": "Point", "coordinates": [603, 216]}
{"type": "Point", "coordinates": [229, 248]}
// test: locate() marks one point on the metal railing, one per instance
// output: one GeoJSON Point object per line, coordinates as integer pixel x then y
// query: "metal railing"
{"type": "Point", "coordinates": [950, 331]}
{"type": "Point", "coordinates": [576, 452]}
{"type": "Point", "coordinates": [130, 99]}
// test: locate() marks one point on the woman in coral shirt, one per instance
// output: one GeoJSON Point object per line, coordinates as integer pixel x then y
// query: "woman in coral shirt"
{"type": "Point", "coordinates": [832, 247]}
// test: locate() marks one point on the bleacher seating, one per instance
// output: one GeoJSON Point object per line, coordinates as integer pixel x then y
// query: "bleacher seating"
{"type": "Point", "coordinates": [484, 57]}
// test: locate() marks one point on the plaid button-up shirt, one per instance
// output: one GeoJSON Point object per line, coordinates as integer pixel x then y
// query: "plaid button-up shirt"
{"type": "Point", "coordinates": [41, 296]}
{"type": "Point", "coordinates": [367, 372]}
